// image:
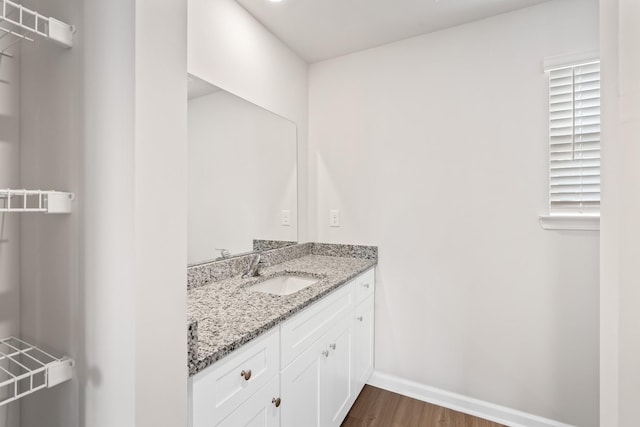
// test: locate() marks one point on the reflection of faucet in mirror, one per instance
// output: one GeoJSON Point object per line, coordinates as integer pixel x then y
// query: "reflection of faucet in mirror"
{"type": "Point", "coordinates": [224, 253]}
{"type": "Point", "coordinates": [254, 266]}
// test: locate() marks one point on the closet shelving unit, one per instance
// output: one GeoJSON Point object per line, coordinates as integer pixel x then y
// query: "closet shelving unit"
{"type": "Point", "coordinates": [51, 202]}
{"type": "Point", "coordinates": [17, 23]}
{"type": "Point", "coordinates": [25, 368]}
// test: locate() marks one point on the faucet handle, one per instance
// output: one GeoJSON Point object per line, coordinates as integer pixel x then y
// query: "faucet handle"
{"type": "Point", "coordinates": [254, 266]}
{"type": "Point", "coordinates": [259, 266]}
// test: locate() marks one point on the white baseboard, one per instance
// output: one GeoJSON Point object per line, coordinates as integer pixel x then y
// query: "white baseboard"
{"type": "Point", "coordinates": [460, 403]}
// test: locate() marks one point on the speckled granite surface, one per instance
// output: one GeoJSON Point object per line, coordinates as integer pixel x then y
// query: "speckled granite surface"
{"type": "Point", "coordinates": [224, 315]}
{"type": "Point", "coordinates": [267, 245]}
{"type": "Point", "coordinates": [349, 251]}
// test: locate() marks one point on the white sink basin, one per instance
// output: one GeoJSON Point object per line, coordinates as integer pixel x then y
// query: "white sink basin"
{"type": "Point", "coordinates": [283, 285]}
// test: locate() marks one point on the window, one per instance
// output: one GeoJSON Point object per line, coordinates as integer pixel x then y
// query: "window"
{"type": "Point", "coordinates": [574, 140]}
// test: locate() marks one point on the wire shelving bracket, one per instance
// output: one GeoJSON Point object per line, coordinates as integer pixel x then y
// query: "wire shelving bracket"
{"type": "Point", "coordinates": [25, 369]}
{"type": "Point", "coordinates": [22, 23]}
{"type": "Point", "coordinates": [51, 202]}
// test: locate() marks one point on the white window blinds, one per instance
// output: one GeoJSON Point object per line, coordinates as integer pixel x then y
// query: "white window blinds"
{"type": "Point", "coordinates": [574, 139]}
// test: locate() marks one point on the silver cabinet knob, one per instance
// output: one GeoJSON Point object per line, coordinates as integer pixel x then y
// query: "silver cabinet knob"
{"type": "Point", "coordinates": [246, 374]}
{"type": "Point", "coordinates": [366, 285]}
{"type": "Point", "coordinates": [276, 401]}
{"type": "Point", "coordinates": [325, 353]}
{"type": "Point", "coordinates": [360, 318]}
{"type": "Point", "coordinates": [332, 346]}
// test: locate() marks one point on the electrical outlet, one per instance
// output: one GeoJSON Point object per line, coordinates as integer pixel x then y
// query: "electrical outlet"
{"type": "Point", "coordinates": [286, 217]}
{"type": "Point", "coordinates": [334, 218]}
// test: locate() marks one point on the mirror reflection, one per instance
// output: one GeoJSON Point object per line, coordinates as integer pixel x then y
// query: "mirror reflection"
{"type": "Point", "coordinates": [242, 174]}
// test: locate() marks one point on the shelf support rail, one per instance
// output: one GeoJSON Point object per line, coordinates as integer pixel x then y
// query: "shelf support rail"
{"type": "Point", "coordinates": [25, 369]}
{"type": "Point", "coordinates": [51, 202]}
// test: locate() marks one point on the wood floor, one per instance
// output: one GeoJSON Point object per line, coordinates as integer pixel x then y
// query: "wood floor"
{"type": "Point", "coordinates": [380, 408]}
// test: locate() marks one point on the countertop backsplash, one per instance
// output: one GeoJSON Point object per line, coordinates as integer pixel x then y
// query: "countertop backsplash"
{"type": "Point", "coordinates": [214, 271]}
{"type": "Point", "coordinates": [267, 245]}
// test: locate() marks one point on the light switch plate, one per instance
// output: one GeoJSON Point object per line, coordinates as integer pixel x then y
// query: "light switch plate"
{"type": "Point", "coordinates": [334, 218]}
{"type": "Point", "coordinates": [286, 217]}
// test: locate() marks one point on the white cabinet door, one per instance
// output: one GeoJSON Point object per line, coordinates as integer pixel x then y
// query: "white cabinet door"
{"type": "Point", "coordinates": [336, 381]}
{"type": "Point", "coordinates": [364, 333]}
{"type": "Point", "coordinates": [257, 411]}
{"type": "Point", "coordinates": [317, 388]}
{"type": "Point", "coordinates": [300, 385]}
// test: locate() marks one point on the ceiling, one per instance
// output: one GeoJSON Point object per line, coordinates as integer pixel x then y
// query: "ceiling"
{"type": "Point", "coordinates": [321, 29]}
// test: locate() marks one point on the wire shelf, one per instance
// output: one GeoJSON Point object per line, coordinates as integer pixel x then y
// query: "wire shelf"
{"type": "Point", "coordinates": [25, 369]}
{"type": "Point", "coordinates": [51, 202]}
{"type": "Point", "coordinates": [20, 23]}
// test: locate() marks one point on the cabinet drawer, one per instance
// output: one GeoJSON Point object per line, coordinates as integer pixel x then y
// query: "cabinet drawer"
{"type": "Point", "coordinates": [303, 329]}
{"type": "Point", "coordinates": [222, 387]}
{"type": "Point", "coordinates": [365, 285]}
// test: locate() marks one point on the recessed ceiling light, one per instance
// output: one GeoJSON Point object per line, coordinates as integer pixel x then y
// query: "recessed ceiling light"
{"type": "Point", "coordinates": [275, 1]}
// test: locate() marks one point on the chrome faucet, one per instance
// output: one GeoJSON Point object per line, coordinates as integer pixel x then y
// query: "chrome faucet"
{"type": "Point", "coordinates": [224, 253]}
{"type": "Point", "coordinates": [254, 267]}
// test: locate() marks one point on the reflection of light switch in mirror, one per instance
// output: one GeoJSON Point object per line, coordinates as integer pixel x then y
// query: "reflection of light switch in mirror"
{"type": "Point", "coordinates": [334, 218]}
{"type": "Point", "coordinates": [286, 217]}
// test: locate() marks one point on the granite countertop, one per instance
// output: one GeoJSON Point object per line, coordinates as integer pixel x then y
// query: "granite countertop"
{"type": "Point", "coordinates": [224, 315]}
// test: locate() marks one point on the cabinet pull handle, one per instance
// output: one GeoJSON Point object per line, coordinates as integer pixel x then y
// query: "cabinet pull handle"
{"type": "Point", "coordinates": [276, 401]}
{"type": "Point", "coordinates": [325, 353]}
{"type": "Point", "coordinates": [366, 285]}
{"type": "Point", "coordinates": [360, 318]}
{"type": "Point", "coordinates": [333, 346]}
{"type": "Point", "coordinates": [246, 374]}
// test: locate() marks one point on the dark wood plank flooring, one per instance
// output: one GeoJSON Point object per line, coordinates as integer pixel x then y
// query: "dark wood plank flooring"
{"type": "Point", "coordinates": [380, 408]}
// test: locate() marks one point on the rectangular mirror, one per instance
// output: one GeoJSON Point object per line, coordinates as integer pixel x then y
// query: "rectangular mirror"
{"type": "Point", "coordinates": [242, 174]}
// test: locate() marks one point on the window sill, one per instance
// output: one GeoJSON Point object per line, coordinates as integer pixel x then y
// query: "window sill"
{"type": "Point", "coordinates": [570, 222]}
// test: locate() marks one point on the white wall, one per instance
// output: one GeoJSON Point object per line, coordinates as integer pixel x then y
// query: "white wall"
{"type": "Point", "coordinates": [620, 295]}
{"type": "Point", "coordinates": [435, 149]}
{"type": "Point", "coordinates": [50, 158]}
{"type": "Point", "coordinates": [609, 221]}
{"type": "Point", "coordinates": [107, 252]}
{"type": "Point", "coordinates": [9, 223]}
{"type": "Point", "coordinates": [230, 49]}
{"type": "Point", "coordinates": [160, 236]}
{"type": "Point", "coordinates": [134, 247]}
{"type": "Point", "coordinates": [242, 174]}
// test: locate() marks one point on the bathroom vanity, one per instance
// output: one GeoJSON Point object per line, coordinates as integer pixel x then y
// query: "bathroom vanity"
{"type": "Point", "coordinates": [263, 359]}
{"type": "Point", "coordinates": [294, 345]}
